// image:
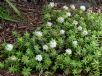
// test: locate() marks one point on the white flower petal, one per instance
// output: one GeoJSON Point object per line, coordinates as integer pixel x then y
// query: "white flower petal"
{"type": "Point", "coordinates": [85, 33]}
{"type": "Point", "coordinates": [79, 28]}
{"type": "Point", "coordinates": [45, 47]}
{"type": "Point", "coordinates": [75, 22]}
{"type": "Point", "coordinates": [49, 23]}
{"type": "Point", "coordinates": [13, 58]}
{"type": "Point", "coordinates": [38, 33]}
{"type": "Point", "coordinates": [68, 14]}
{"type": "Point", "coordinates": [53, 43]}
{"type": "Point", "coordinates": [60, 19]}
{"type": "Point", "coordinates": [38, 58]}
{"type": "Point", "coordinates": [9, 47]}
{"type": "Point", "coordinates": [75, 43]}
{"type": "Point", "coordinates": [62, 31]}
{"type": "Point", "coordinates": [68, 51]}
{"type": "Point", "coordinates": [82, 7]}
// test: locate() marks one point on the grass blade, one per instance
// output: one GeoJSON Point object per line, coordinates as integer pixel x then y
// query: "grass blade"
{"type": "Point", "coordinates": [14, 8]}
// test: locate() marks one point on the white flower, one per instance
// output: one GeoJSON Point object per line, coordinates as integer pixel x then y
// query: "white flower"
{"type": "Point", "coordinates": [72, 6]}
{"type": "Point", "coordinates": [13, 58]}
{"type": "Point", "coordinates": [61, 19]}
{"type": "Point", "coordinates": [9, 47]}
{"type": "Point", "coordinates": [38, 33]}
{"type": "Point", "coordinates": [82, 7]}
{"type": "Point", "coordinates": [62, 31]}
{"type": "Point", "coordinates": [38, 58]}
{"type": "Point", "coordinates": [51, 4]}
{"type": "Point", "coordinates": [53, 43]}
{"type": "Point", "coordinates": [75, 43]}
{"type": "Point", "coordinates": [68, 51]}
{"type": "Point", "coordinates": [75, 22]}
{"type": "Point", "coordinates": [85, 33]}
{"type": "Point", "coordinates": [49, 23]}
{"type": "Point", "coordinates": [45, 47]}
{"type": "Point", "coordinates": [79, 28]}
{"type": "Point", "coordinates": [68, 14]}
{"type": "Point", "coordinates": [65, 7]}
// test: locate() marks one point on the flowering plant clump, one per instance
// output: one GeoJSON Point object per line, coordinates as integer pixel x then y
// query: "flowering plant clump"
{"type": "Point", "coordinates": [83, 8]}
{"type": "Point", "coordinates": [72, 44]}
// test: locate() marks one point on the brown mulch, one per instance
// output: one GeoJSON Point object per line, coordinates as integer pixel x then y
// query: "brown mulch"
{"type": "Point", "coordinates": [32, 18]}
{"type": "Point", "coordinates": [5, 73]}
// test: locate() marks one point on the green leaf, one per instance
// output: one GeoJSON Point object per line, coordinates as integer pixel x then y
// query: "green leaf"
{"type": "Point", "coordinates": [1, 65]}
{"type": "Point", "coordinates": [26, 71]}
{"type": "Point", "coordinates": [4, 14]}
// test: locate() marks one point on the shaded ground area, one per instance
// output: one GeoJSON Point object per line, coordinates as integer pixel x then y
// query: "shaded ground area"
{"type": "Point", "coordinates": [32, 18]}
{"type": "Point", "coordinates": [5, 73]}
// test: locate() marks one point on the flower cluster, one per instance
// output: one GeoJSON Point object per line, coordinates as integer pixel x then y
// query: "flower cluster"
{"type": "Point", "coordinates": [68, 51]}
{"type": "Point", "coordinates": [85, 32]}
{"type": "Point", "coordinates": [51, 4]}
{"type": "Point", "coordinates": [80, 28]}
{"type": "Point", "coordinates": [45, 47]}
{"type": "Point", "coordinates": [13, 58]}
{"type": "Point", "coordinates": [75, 43]}
{"type": "Point", "coordinates": [75, 22]}
{"type": "Point", "coordinates": [62, 31]}
{"type": "Point", "coordinates": [49, 23]}
{"type": "Point", "coordinates": [53, 43]}
{"type": "Point", "coordinates": [38, 33]}
{"type": "Point", "coordinates": [83, 8]}
{"type": "Point", "coordinates": [60, 19]}
{"type": "Point", "coordinates": [9, 47]}
{"type": "Point", "coordinates": [38, 58]}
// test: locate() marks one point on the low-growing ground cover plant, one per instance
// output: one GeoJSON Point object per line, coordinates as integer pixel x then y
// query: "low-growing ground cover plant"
{"type": "Point", "coordinates": [66, 42]}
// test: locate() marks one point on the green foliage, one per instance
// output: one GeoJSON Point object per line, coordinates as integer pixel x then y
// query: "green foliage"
{"type": "Point", "coordinates": [13, 69]}
{"type": "Point", "coordinates": [4, 14]}
{"type": "Point", "coordinates": [26, 71]}
{"type": "Point", "coordinates": [1, 65]}
{"type": "Point", "coordinates": [49, 49]}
